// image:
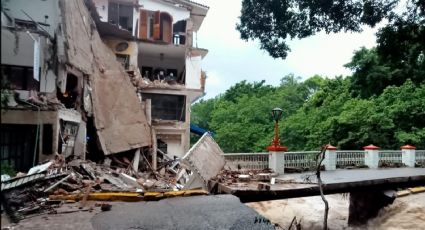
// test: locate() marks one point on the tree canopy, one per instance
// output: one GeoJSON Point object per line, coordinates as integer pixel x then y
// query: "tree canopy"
{"type": "Point", "coordinates": [317, 111]}
{"type": "Point", "coordinates": [382, 103]}
{"type": "Point", "coordinates": [273, 22]}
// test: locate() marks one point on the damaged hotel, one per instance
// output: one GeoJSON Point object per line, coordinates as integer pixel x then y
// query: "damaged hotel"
{"type": "Point", "coordinates": [94, 78]}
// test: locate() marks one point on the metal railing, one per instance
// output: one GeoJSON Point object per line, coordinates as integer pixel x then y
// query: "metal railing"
{"type": "Point", "coordinates": [390, 157]}
{"type": "Point", "coordinates": [420, 157]}
{"type": "Point", "coordinates": [247, 160]}
{"type": "Point", "coordinates": [303, 159]}
{"type": "Point", "coordinates": [346, 158]}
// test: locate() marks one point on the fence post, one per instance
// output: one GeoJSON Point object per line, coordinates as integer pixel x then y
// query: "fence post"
{"type": "Point", "coordinates": [372, 156]}
{"type": "Point", "coordinates": [408, 155]}
{"type": "Point", "coordinates": [330, 158]}
{"type": "Point", "coordinates": [277, 162]}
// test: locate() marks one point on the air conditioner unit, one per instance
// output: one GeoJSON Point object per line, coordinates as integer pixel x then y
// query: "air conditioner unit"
{"type": "Point", "coordinates": [121, 46]}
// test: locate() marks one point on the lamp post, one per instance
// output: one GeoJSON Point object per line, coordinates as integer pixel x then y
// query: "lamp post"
{"type": "Point", "coordinates": [275, 145]}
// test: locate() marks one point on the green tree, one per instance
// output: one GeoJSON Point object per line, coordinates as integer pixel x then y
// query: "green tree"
{"type": "Point", "coordinates": [246, 88]}
{"type": "Point", "coordinates": [273, 22]}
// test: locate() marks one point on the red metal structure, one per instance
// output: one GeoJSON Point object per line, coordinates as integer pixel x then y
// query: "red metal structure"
{"type": "Point", "coordinates": [275, 145]}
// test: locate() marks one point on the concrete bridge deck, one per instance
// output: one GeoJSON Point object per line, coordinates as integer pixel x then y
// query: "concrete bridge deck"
{"type": "Point", "coordinates": [337, 181]}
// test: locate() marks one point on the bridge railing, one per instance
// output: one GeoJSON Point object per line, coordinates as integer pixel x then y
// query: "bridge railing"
{"type": "Point", "coordinates": [389, 157]}
{"type": "Point", "coordinates": [302, 160]}
{"type": "Point", "coordinates": [334, 159]}
{"type": "Point", "coordinates": [247, 160]}
{"type": "Point", "coordinates": [420, 157]}
{"type": "Point", "coordinates": [346, 158]}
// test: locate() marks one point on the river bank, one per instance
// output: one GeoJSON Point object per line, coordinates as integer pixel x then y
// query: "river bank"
{"type": "Point", "coordinates": [405, 213]}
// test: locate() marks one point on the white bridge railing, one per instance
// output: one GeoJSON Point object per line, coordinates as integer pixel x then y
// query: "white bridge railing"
{"type": "Point", "coordinates": [390, 157]}
{"type": "Point", "coordinates": [342, 159]}
{"type": "Point", "coordinates": [346, 158]}
{"type": "Point", "coordinates": [247, 160]}
{"type": "Point", "coordinates": [300, 159]}
{"type": "Point", "coordinates": [420, 157]}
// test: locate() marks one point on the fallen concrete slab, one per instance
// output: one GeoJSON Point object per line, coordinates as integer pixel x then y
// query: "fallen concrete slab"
{"type": "Point", "coordinates": [205, 159]}
{"type": "Point", "coordinates": [118, 117]}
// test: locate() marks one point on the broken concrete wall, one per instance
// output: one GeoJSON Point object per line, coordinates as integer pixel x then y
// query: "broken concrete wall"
{"type": "Point", "coordinates": [205, 159]}
{"type": "Point", "coordinates": [119, 119]}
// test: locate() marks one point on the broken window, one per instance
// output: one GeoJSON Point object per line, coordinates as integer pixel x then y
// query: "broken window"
{"type": "Point", "coordinates": [17, 145]}
{"type": "Point", "coordinates": [147, 72]}
{"type": "Point", "coordinates": [67, 135]}
{"type": "Point", "coordinates": [179, 32]}
{"type": "Point", "coordinates": [166, 106]}
{"type": "Point", "coordinates": [124, 60]}
{"type": "Point", "coordinates": [121, 15]}
{"type": "Point", "coordinates": [69, 98]}
{"type": "Point", "coordinates": [19, 77]}
{"type": "Point", "coordinates": [161, 145]}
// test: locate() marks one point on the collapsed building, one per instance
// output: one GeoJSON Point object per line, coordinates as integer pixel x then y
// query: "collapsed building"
{"type": "Point", "coordinates": [98, 78]}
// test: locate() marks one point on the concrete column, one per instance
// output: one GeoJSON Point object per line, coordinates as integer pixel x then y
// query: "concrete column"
{"type": "Point", "coordinates": [372, 156]}
{"type": "Point", "coordinates": [330, 158]}
{"type": "Point", "coordinates": [277, 162]}
{"type": "Point", "coordinates": [408, 155]}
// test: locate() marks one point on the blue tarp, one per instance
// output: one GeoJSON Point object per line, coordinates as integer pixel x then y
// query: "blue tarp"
{"type": "Point", "coordinates": [198, 130]}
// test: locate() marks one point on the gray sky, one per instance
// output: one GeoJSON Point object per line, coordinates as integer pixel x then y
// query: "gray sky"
{"type": "Point", "coordinates": [231, 60]}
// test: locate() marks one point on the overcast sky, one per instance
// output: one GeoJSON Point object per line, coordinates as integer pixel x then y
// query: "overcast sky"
{"type": "Point", "coordinates": [231, 60]}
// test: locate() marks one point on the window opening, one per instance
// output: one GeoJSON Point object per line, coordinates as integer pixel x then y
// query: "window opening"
{"type": "Point", "coordinates": [166, 106]}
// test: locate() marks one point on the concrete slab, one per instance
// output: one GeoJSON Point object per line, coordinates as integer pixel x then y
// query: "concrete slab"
{"type": "Point", "coordinates": [205, 159]}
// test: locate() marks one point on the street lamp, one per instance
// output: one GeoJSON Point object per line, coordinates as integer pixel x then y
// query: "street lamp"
{"type": "Point", "coordinates": [275, 145]}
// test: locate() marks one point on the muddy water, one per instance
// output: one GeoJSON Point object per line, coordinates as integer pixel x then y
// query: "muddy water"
{"type": "Point", "coordinates": [405, 213]}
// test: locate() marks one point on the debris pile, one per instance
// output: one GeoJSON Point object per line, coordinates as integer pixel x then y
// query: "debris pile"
{"type": "Point", "coordinates": [142, 82]}
{"type": "Point", "coordinates": [47, 186]}
{"type": "Point", "coordinates": [241, 178]}
{"type": "Point", "coordinates": [229, 177]}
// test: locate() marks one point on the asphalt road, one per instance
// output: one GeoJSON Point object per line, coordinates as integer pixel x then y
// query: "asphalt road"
{"type": "Point", "coordinates": [197, 212]}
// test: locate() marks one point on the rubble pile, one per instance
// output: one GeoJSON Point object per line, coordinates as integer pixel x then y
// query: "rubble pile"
{"type": "Point", "coordinates": [241, 178]}
{"type": "Point", "coordinates": [45, 101]}
{"type": "Point", "coordinates": [45, 187]}
{"type": "Point", "coordinates": [141, 82]}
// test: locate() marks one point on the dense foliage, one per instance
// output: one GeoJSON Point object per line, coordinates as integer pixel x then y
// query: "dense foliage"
{"type": "Point", "coordinates": [274, 22]}
{"type": "Point", "coordinates": [383, 102]}
{"type": "Point", "coordinates": [316, 112]}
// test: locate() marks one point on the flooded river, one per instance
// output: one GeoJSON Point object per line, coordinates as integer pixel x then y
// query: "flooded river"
{"type": "Point", "coordinates": [405, 213]}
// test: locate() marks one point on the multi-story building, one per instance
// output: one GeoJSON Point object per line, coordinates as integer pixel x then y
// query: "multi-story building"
{"type": "Point", "coordinates": [67, 66]}
{"type": "Point", "coordinates": [154, 41]}
{"type": "Point", "coordinates": [46, 116]}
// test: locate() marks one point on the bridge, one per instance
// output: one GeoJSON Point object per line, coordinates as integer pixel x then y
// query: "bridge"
{"type": "Point", "coordinates": [337, 181]}
{"type": "Point", "coordinates": [371, 176]}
